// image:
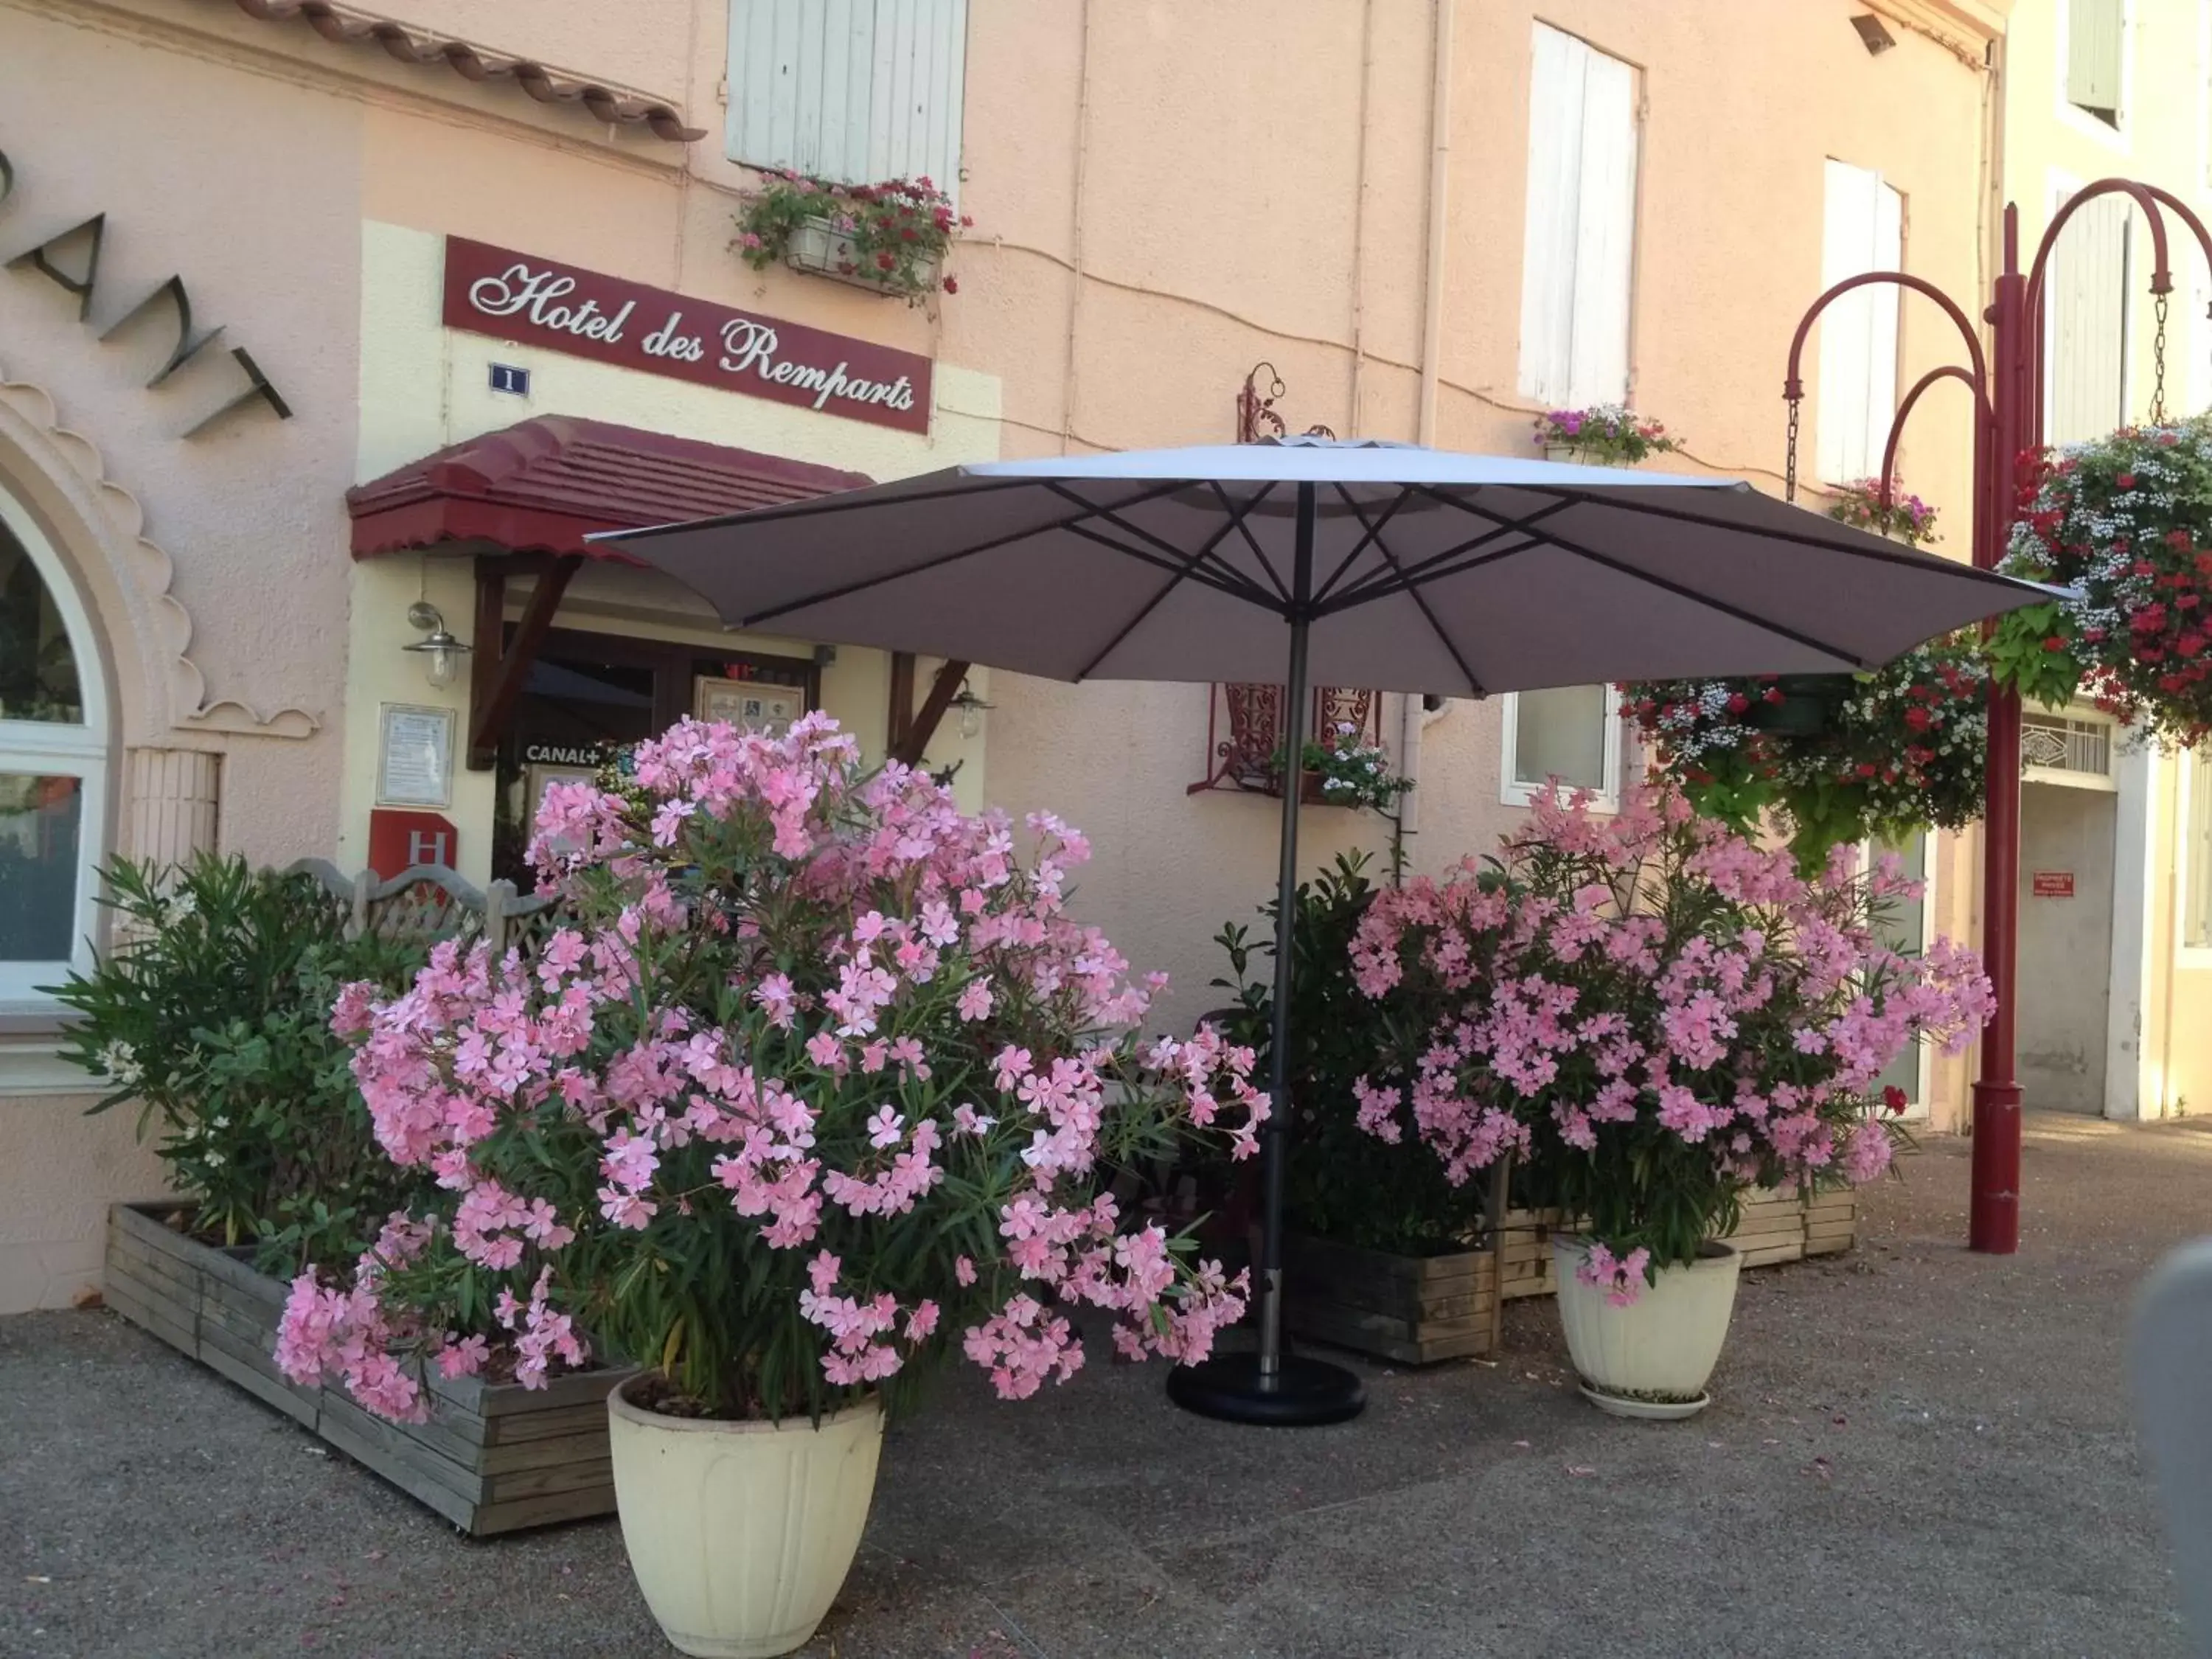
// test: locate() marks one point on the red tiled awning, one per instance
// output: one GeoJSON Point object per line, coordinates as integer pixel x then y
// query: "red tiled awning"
{"type": "Point", "coordinates": [541, 486]}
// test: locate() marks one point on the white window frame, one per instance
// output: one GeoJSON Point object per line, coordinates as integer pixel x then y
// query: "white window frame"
{"type": "Point", "coordinates": [1917, 1109]}
{"type": "Point", "coordinates": [50, 750]}
{"type": "Point", "coordinates": [2185, 870]}
{"type": "Point", "coordinates": [2119, 137]}
{"type": "Point", "coordinates": [2105, 782]}
{"type": "Point", "coordinates": [1512, 791]}
{"type": "Point", "coordinates": [1541, 302]}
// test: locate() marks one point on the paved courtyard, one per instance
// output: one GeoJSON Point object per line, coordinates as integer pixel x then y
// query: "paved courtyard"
{"type": "Point", "coordinates": [1912, 1451]}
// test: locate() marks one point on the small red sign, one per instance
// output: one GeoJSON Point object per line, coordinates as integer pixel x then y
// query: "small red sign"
{"type": "Point", "coordinates": [398, 839]}
{"type": "Point", "coordinates": [542, 302]}
{"type": "Point", "coordinates": [2054, 884]}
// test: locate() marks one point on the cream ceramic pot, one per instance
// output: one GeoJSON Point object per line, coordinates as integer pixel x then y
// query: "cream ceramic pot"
{"type": "Point", "coordinates": [741, 1534]}
{"type": "Point", "coordinates": [1652, 1357]}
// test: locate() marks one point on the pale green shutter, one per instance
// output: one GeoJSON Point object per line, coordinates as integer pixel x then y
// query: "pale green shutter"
{"type": "Point", "coordinates": [2093, 57]}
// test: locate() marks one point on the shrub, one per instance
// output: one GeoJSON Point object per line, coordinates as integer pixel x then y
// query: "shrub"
{"type": "Point", "coordinates": [822, 1078]}
{"type": "Point", "coordinates": [1343, 1184]}
{"type": "Point", "coordinates": [1658, 1013]}
{"type": "Point", "coordinates": [212, 1011]}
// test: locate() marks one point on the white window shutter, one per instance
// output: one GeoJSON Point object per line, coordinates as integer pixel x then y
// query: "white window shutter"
{"type": "Point", "coordinates": [2085, 331]}
{"type": "Point", "coordinates": [853, 90]}
{"type": "Point", "coordinates": [1605, 235]}
{"type": "Point", "coordinates": [2093, 43]}
{"type": "Point", "coordinates": [1863, 231]}
{"type": "Point", "coordinates": [1552, 224]}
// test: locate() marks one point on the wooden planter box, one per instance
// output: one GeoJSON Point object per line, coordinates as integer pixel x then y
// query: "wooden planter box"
{"type": "Point", "coordinates": [1413, 1310]}
{"type": "Point", "coordinates": [1775, 1227]}
{"type": "Point", "coordinates": [494, 1456]}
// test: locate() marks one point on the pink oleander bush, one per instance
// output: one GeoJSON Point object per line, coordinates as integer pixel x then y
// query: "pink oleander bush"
{"type": "Point", "coordinates": [820, 1080]}
{"type": "Point", "coordinates": [1658, 1014]}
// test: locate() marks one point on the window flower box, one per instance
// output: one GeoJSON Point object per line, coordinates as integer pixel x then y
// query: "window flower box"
{"type": "Point", "coordinates": [819, 248]}
{"type": "Point", "coordinates": [494, 1456]}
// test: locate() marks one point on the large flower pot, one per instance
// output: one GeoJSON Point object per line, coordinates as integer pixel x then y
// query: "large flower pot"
{"type": "Point", "coordinates": [740, 1533]}
{"type": "Point", "coordinates": [1651, 1357]}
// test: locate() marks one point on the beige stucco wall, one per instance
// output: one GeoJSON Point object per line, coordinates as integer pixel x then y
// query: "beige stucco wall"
{"type": "Point", "coordinates": [2163, 1033]}
{"type": "Point", "coordinates": [1148, 227]}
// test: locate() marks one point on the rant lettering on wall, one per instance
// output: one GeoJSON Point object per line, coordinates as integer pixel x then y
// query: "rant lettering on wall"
{"type": "Point", "coordinates": [563, 308]}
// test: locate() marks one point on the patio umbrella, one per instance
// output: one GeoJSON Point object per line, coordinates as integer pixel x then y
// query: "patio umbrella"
{"type": "Point", "coordinates": [1307, 562]}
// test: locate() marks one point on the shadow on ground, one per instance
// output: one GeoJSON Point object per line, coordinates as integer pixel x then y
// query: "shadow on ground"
{"type": "Point", "coordinates": [1912, 1451]}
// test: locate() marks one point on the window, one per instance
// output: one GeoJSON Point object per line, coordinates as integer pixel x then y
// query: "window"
{"type": "Point", "coordinates": [854, 90]}
{"type": "Point", "coordinates": [1572, 733]}
{"type": "Point", "coordinates": [2195, 859]}
{"type": "Point", "coordinates": [1577, 271]}
{"type": "Point", "coordinates": [1863, 229]}
{"type": "Point", "coordinates": [2096, 33]}
{"type": "Point", "coordinates": [2085, 328]}
{"type": "Point", "coordinates": [53, 766]}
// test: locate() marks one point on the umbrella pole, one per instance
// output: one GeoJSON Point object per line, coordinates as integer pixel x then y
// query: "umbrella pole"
{"type": "Point", "coordinates": [1269, 1386]}
{"type": "Point", "coordinates": [1274, 1147]}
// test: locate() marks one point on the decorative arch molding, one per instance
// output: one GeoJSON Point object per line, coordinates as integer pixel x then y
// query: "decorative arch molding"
{"type": "Point", "coordinates": [177, 692]}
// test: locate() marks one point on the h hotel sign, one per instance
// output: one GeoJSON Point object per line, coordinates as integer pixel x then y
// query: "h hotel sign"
{"type": "Point", "coordinates": [541, 302]}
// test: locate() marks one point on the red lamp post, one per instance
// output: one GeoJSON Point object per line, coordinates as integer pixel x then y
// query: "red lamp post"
{"type": "Point", "coordinates": [2006, 387]}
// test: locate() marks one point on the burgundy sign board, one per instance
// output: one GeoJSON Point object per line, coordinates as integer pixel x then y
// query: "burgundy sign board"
{"type": "Point", "coordinates": [541, 302]}
{"type": "Point", "coordinates": [2054, 884]}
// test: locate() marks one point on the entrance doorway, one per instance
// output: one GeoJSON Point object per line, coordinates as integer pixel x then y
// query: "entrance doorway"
{"type": "Point", "coordinates": [591, 695]}
{"type": "Point", "coordinates": [2066, 846]}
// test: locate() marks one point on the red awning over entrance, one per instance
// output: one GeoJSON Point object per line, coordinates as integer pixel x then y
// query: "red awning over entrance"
{"type": "Point", "coordinates": [541, 486]}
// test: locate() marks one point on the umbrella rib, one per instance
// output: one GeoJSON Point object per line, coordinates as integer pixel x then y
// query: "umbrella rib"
{"type": "Point", "coordinates": [1648, 578]}
{"type": "Point", "coordinates": [1382, 585]}
{"type": "Point", "coordinates": [847, 590]}
{"type": "Point", "coordinates": [1237, 518]}
{"type": "Point", "coordinates": [835, 501]}
{"type": "Point", "coordinates": [1473, 680]}
{"type": "Point", "coordinates": [1203, 578]}
{"type": "Point", "coordinates": [1170, 586]}
{"type": "Point", "coordinates": [1224, 574]}
{"type": "Point", "coordinates": [1882, 555]}
{"type": "Point", "coordinates": [1244, 529]}
{"type": "Point", "coordinates": [1372, 537]}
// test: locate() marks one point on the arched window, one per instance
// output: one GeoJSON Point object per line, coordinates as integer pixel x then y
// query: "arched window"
{"type": "Point", "coordinates": [53, 766]}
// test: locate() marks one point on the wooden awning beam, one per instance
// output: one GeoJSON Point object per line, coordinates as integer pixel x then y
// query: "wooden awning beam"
{"type": "Point", "coordinates": [500, 667]}
{"type": "Point", "coordinates": [908, 747]}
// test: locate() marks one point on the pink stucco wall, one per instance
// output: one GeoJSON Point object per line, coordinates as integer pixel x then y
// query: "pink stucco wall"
{"type": "Point", "coordinates": [1165, 193]}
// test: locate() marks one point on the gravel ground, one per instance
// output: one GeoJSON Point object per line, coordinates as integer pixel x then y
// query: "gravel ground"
{"type": "Point", "coordinates": [1911, 1451]}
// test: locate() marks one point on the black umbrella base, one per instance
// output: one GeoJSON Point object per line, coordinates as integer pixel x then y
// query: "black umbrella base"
{"type": "Point", "coordinates": [1301, 1392]}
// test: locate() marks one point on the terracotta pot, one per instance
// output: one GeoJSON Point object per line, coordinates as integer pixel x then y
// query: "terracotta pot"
{"type": "Point", "coordinates": [1652, 1357]}
{"type": "Point", "coordinates": [741, 1534]}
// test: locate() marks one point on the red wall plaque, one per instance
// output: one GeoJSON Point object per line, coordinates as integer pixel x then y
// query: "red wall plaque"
{"type": "Point", "coordinates": [397, 839]}
{"type": "Point", "coordinates": [541, 302]}
{"type": "Point", "coordinates": [2054, 884]}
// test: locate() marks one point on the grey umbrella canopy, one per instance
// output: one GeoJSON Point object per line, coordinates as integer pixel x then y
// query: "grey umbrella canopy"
{"type": "Point", "coordinates": [1311, 561]}
{"type": "Point", "coordinates": [1432, 572]}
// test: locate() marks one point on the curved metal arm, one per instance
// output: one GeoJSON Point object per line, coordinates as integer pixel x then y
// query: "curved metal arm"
{"type": "Point", "coordinates": [2161, 277]}
{"type": "Point", "coordinates": [1948, 372]}
{"type": "Point", "coordinates": [1793, 384]}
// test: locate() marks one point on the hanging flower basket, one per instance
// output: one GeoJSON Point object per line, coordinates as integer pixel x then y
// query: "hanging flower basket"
{"type": "Point", "coordinates": [1844, 757]}
{"type": "Point", "coordinates": [1607, 435]}
{"type": "Point", "coordinates": [2126, 524]}
{"type": "Point", "coordinates": [890, 237]}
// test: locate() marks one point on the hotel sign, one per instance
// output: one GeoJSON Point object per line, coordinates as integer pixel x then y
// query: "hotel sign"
{"type": "Point", "coordinates": [541, 302]}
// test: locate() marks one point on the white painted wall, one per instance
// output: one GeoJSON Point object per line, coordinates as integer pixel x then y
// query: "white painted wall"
{"type": "Point", "coordinates": [2065, 946]}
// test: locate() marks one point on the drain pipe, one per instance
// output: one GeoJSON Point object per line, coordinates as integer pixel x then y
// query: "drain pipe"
{"type": "Point", "coordinates": [1416, 714]}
